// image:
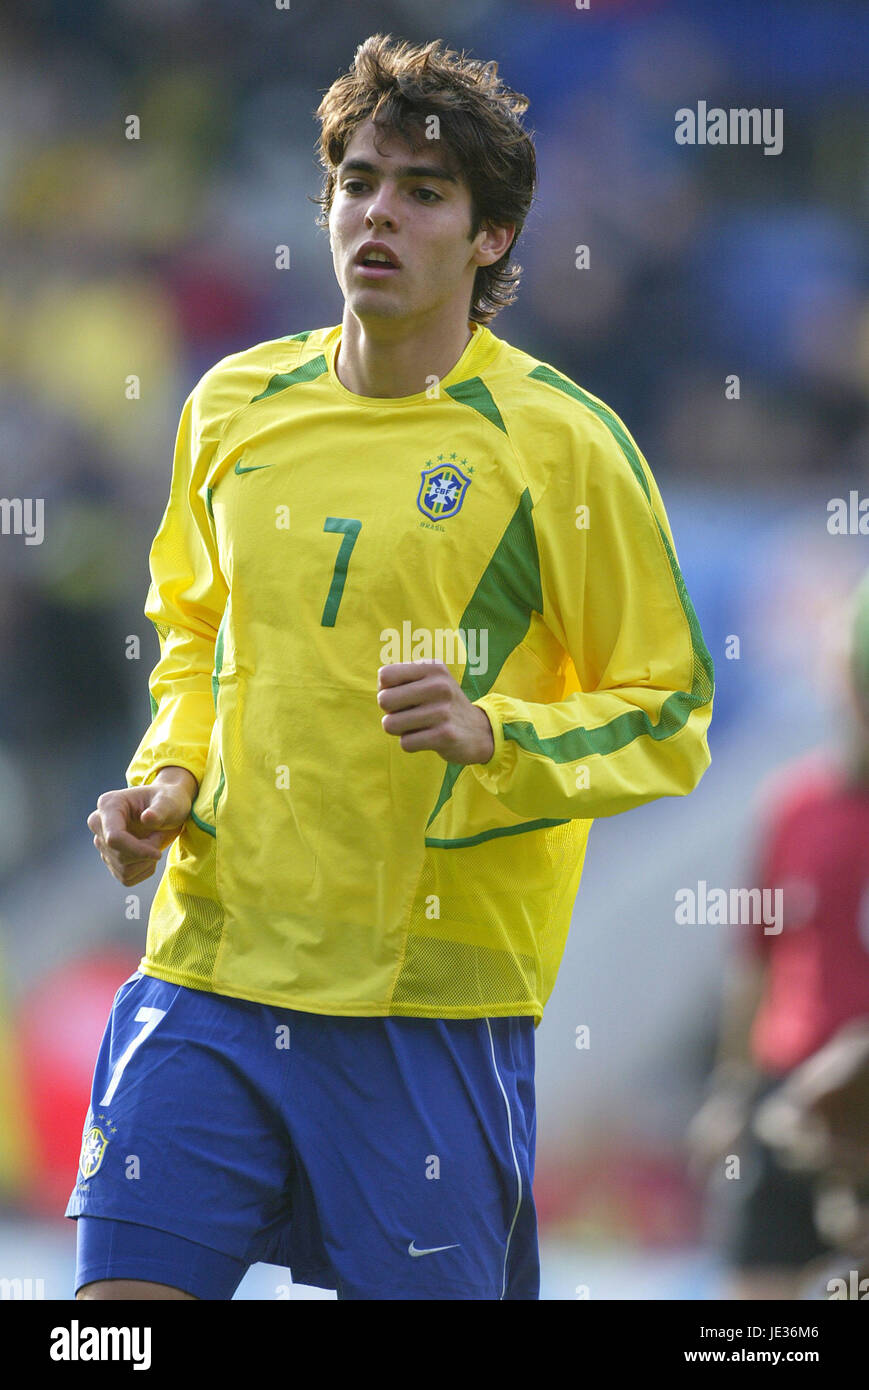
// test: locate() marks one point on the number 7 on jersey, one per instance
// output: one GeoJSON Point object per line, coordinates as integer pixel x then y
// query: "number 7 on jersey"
{"type": "Point", "coordinates": [351, 530]}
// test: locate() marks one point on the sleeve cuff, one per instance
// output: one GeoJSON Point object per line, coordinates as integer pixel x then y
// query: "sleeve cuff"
{"type": "Point", "coordinates": [490, 773]}
{"type": "Point", "coordinates": [141, 774]}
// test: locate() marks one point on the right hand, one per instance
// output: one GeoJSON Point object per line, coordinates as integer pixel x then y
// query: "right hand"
{"type": "Point", "coordinates": [132, 826]}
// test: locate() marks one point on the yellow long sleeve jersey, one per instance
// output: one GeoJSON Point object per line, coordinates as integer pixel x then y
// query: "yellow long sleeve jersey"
{"type": "Point", "coordinates": [504, 522]}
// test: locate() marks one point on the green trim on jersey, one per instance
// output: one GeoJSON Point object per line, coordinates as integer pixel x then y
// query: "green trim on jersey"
{"type": "Point", "coordinates": [308, 371]}
{"type": "Point", "coordinates": [477, 395]}
{"type": "Point", "coordinates": [219, 789]}
{"type": "Point", "coordinates": [493, 834]}
{"type": "Point", "coordinates": [613, 424]}
{"type": "Point", "coordinates": [203, 825]}
{"type": "Point", "coordinates": [218, 655]}
{"type": "Point", "coordinates": [508, 593]}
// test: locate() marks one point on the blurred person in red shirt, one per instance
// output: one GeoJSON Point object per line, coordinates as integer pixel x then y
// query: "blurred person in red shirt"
{"type": "Point", "coordinates": [788, 993]}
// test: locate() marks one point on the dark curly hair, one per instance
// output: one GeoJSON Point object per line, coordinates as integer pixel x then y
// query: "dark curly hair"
{"type": "Point", "coordinates": [398, 86]}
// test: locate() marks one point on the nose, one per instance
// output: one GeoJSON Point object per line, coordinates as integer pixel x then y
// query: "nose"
{"type": "Point", "coordinates": [380, 210]}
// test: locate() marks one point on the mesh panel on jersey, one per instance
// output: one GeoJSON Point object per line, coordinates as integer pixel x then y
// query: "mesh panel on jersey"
{"type": "Point", "coordinates": [453, 974]}
{"type": "Point", "coordinates": [192, 947]}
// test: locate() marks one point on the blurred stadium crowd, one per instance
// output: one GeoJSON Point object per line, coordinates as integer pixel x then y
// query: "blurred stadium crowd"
{"type": "Point", "coordinates": [155, 257]}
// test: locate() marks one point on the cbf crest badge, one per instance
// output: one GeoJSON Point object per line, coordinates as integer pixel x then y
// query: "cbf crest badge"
{"type": "Point", "coordinates": [442, 491]}
{"type": "Point", "coordinates": [92, 1150]}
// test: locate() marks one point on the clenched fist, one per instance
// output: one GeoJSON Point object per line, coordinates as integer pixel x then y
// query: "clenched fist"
{"type": "Point", "coordinates": [427, 708]}
{"type": "Point", "coordinates": [132, 826]}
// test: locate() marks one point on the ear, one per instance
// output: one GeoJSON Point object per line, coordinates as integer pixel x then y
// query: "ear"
{"type": "Point", "coordinates": [494, 241]}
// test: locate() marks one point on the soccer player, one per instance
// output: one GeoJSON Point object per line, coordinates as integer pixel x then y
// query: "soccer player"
{"type": "Point", "coordinates": [789, 994]}
{"type": "Point", "coordinates": [421, 620]}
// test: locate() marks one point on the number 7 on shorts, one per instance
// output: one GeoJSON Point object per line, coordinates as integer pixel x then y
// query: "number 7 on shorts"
{"type": "Point", "coordinates": [149, 1018]}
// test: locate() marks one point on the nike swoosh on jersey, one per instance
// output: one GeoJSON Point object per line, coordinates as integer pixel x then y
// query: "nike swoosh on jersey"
{"type": "Point", "coordinates": [254, 468]}
{"type": "Point", "coordinates": [433, 1250]}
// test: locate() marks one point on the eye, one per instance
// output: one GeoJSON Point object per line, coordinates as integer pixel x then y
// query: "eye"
{"type": "Point", "coordinates": [360, 183]}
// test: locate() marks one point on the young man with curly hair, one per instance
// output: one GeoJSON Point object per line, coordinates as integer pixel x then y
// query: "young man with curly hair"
{"type": "Point", "coordinates": [420, 621]}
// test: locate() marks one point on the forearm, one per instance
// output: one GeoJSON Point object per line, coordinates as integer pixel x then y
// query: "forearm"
{"type": "Point", "coordinates": [180, 777]}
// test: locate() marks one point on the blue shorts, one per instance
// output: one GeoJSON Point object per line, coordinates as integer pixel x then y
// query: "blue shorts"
{"type": "Point", "coordinates": [386, 1158]}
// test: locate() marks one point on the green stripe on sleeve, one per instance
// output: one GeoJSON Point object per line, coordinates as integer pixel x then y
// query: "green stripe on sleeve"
{"type": "Point", "coordinates": [614, 425]}
{"type": "Point", "coordinates": [676, 709]}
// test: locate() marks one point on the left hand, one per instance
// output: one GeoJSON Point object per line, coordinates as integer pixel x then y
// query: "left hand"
{"type": "Point", "coordinates": [427, 709]}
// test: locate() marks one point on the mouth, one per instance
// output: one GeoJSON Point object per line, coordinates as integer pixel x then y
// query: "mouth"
{"type": "Point", "coordinates": [376, 270]}
{"type": "Point", "coordinates": [375, 260]}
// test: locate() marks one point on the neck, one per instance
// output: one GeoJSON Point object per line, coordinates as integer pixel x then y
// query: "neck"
{"type": "Point", "coordinates": [382, 359]}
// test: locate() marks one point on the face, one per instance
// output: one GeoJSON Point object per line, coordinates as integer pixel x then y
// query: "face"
{"type": "Point", "coordinates": [423, 217]}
